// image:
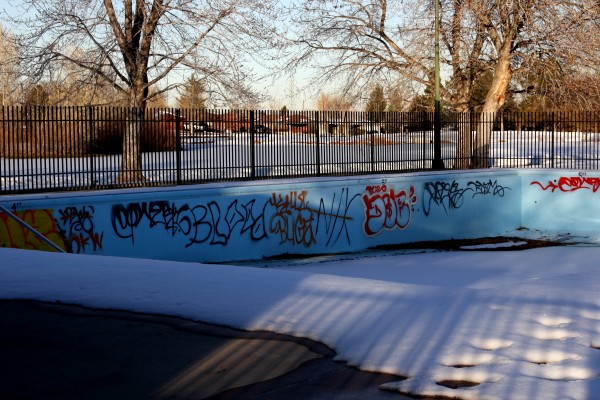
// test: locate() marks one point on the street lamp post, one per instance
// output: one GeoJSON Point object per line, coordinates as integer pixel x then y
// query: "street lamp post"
{"type": "Point", "coordinates": [438, 162]}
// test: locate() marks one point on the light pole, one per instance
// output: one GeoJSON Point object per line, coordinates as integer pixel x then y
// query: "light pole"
{"type": "Point", "coordinates": [438, 162]}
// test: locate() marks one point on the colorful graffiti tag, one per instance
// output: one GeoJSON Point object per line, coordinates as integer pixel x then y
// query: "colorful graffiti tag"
{"type": "Point", "coordinates": [14, 235]}
{"type": "Point", "coordinates": [387, 208]}
{"type": "Point", "coordinates": [290, 217]}
{"type": "Point", "coordinates": [77, 228]}
{"type": "Point", "coordinates": [571, 184]}
{"type": "Point", "coordinates": [295, 221]}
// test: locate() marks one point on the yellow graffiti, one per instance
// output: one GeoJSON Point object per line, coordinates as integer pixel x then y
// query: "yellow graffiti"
{"type": "Point", "coordinates": [14, 235]}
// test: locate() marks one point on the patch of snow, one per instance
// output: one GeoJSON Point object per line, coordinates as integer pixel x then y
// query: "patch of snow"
{"type": "Point", "coordinates": [468, 325]}
{"type": "Point", "coordinates": [493, 245]}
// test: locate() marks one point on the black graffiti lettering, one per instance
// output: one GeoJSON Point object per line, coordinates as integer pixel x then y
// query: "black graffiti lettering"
{"type": "Point", "coordinates": [335, 217]}
{"type": "Point", "coordinates": [203, 227]}
{"type": "Point", "coordinates": [120, 219]}
{"type": "Point", "coordinates": [292, 219]}
{"type": "Point", "coordinates": [444, 194]}
{"type": "Point", "coordinates": [451, 195]}
{"type": "Point", "coordinates": [77, 227]}
{"type": "Point", "coordinates": [124, 219]}
{"type": "Point", "coordinates": [200, 224]}
{"type": "Point", "coordinates": [252, 223]}
{"type": "Point", "coordinates": [487, 188]}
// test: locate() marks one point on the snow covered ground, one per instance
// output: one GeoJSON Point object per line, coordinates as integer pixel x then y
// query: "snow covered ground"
{"type": "Point", "coordinates": [498, 325]}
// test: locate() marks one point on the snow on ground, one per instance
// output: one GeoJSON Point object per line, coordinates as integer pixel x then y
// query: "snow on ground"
{"type": "Point", "coordinates": [496, 325]}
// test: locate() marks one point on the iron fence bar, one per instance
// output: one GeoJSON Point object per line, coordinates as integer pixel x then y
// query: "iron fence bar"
{"type": "Point", "coordinates": [424, 128]}
{"type": "Point", "coordinates": [552, 150]}
{"type": "Point", "coordinates": [91, 141]}
{"type": "Point", "coordinates": [318, 149]}
{"type": "Point", "coordinates": [252, 146]}
{"type": "Point", "coordinates": [70, 148]}
{"type": "Point", "coordinates": [178, 144]}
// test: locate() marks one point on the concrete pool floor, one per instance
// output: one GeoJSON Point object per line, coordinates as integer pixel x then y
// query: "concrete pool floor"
{"type": "Point", "coordinates": [58, 351]}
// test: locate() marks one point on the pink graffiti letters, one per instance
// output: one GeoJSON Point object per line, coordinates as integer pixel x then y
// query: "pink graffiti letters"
{"type": "Point", "coordinates": [387, 209]}
{"type": "Point", "coordinates": [571, 184]}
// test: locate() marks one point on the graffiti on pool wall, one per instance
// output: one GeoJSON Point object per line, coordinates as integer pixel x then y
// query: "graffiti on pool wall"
{"type": "Point", "coordinates": [571, 184]}
{"type": "Point", "coordinates": [488, 188]}
{"type": "Point", "coordinates": [292, 219]}
{"type": "Point", "coordinates": [333, 217]}
{"type": "Point", "coordinates": [295, 221]}
{"type": "Point", "coordinates": [14, 235]}
{"type": "Point", "coordinates": [77, 227]}
{"type": "Point", "coordinates": [387, 208]}
{"type": "Point", "coordinates": [208, 223]}
{"type": "Point", "coordinates": [450, 195]}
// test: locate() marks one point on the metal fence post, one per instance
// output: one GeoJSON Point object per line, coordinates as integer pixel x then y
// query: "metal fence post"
{"type": "Point", "coordinates": [372, 150]}
{"type": "Point", "coordinates": [92, 146]}
{"type": "Point", "coordinates": [33, 135]}
{"type": "Point", "coordinates": [425, 120]}
{"type": "Point", "coordinates": [318, 150]}
{"type": "Point", "coordinates": [552, 134]}
{"type": "Point", "coordinates": [252, 146]}
{"type": "Point", "coordinates": [178, 146]}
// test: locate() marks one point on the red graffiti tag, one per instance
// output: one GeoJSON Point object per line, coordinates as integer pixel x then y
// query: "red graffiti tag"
{"type": "Point", "coordinates": [387, 209]}
{"type": "Point", "coordinates": [571, 184]}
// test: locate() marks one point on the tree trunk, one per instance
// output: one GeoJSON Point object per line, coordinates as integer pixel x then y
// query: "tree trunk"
{"type": "Point", "coordinates": [494, 101]}
{"type": "Point", "coordinates": [464, 143]}
{"type": "Point", "coordinates": [131, 162]}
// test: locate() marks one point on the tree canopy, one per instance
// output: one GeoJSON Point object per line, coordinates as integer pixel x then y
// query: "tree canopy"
{"type": "Point", "coordinates": [135, 45]}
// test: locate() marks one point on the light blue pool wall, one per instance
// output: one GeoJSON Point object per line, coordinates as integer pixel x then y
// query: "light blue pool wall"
{"type": "Point", "coordinates": [253, 220]}
{"type": "Point", "coordinates": [562, 201]}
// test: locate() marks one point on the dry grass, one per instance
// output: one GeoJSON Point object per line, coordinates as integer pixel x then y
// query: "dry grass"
{"type": "Point", "coordinates": [155, 136]}
{"type": "Point", "coordinates": [53, 139]}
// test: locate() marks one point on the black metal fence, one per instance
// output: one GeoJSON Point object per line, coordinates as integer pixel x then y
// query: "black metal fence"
{"type": "Point", "coordinates": [80, 148]}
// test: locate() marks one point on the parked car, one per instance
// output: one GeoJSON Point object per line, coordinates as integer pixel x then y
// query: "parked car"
{"type": "Point", "coordinates": [171, 119]}
{"type": "Point", "coordinates": [196, 127]}
{"type": "Point", "coordinates": [262, 129]}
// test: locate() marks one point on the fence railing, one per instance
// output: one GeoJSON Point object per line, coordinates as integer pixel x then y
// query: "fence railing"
{"type": "Point", "coordinates": [80, 148]}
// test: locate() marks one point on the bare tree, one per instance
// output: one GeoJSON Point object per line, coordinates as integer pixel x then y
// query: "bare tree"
{"type": "Point", "coordinates": [192, 94]}
{"type": "Point", "coordinates": [377, 102]}
{"type": "Point", "coordinates": [135, 44]}
{"type": "Point", "coordinates": [526, 35]}
{"type": "Point", "coordinates": [396, 101]}
{"type": "Point", "coordinates": [331, 102]}
{"type": "Point", "coordinates": [360, 38]}
{"type": "Point", "coordinates": [9, 71]}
